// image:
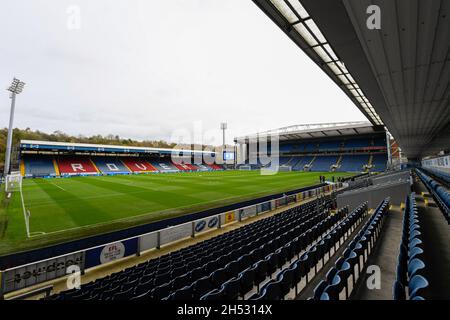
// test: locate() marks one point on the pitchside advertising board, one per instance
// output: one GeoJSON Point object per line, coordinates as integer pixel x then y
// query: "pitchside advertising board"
{"type": "Point", "coordinates": [206, 224]}
{"type": "Point", "coordinates": [228, 217]}
{"type": "Point", "coordinates": [148, 241]}
{"type": "Point", "coordinates": [35, 273]}
{"type": "Point", "coordinates": [175, 233]}
{"type": "Point", "coordinates": [247, 212]}
{"type": "Point", "coordinates": [111, 252]}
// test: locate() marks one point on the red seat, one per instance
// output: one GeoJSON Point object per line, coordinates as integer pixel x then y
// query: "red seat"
{"type": "Point", "coordinates": [76, 165]}
{"type": "Point", "coordinates": [184, 166]}
{"type": "Point", "coordinates": [138, 165]}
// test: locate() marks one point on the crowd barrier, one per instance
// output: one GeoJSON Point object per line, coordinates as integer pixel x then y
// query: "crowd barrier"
{"type": "Point", "coordinates": [23, 276]}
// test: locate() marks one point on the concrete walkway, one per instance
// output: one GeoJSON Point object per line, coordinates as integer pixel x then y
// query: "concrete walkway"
{"type": "Point", "coordinates": [384, 256]}
{"type": "Point", "coordinates": [436, 244]}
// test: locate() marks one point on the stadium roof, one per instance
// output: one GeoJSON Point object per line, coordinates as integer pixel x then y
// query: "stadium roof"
{"type": "Point", "coordinates": [83, 147]}
{"type": "Point", "coordinates": [398, 75]}
{"type": "Point", "coordinates": [319, 130]}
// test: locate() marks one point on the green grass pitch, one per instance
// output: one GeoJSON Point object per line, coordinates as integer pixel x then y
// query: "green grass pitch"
{"type": "Point", "coordinates": [64, 209]}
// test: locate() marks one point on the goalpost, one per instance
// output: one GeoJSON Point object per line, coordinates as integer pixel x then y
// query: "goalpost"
{"type": "Point", "coordinates": [284, 168]}
{"type": "Point", "coordinates": [13, 184]}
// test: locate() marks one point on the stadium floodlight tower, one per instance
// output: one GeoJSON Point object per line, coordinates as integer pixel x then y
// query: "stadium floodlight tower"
{"type": "Point", "coordinates": [223, 127]}
{"type": "Point", "coordinates": [15, 88]}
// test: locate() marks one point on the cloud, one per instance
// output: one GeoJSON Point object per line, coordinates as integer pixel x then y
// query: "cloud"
{"type": "Point", "coordinates": [143, 69]}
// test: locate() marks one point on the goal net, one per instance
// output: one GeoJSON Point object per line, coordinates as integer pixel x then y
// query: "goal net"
{"type": "Point", "coordinates": [13, 182]}
{"type": "Point", "coordinates": [284, 168]}
{"type": "Point", "coordinates": [245, 168]}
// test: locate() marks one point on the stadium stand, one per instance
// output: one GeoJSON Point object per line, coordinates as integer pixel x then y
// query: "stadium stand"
{"type": "Point", "coordinates": [356, 143]}
{"type": "Point", "coordinates": [246, 257]}
{"type": "Point", "coordinates": [313, 258]}
{"type": "Point", "coordinates": [76, 166]}
{"type": "Point", "coordinates": [138, 165]}
{"type": "Point", "coordinates": [302, 162]}
{"type": "Point", "coordinates": [284, 160]}
{"type": "Point", "coordinates": [343, 277]}
{"type": "Point", "coordinates": [203, 167]}
{"type": "Point", "coordinates": [353, 163]}
{"type": "Point", "coordinates": [439, 193]}
{"type": "Point", "coordinates": [411, 265]}
{"type": "Point", "coordinates": [215, 166]}
{"type": "Point", "coordinates": [330, 145]}
{"type": "Point", "coordinates": [440, 175]}
{"type": "Point", "coordinates": [379, 162]}
{"type": "Point", "coordinates": [110, 165]}
{"type": "Point", "coordinates": [185, 167]}
{"type": "Point", "coordinates": [39, 166]}
{"type": "Point", "coordinates": [164, 165]}
{"type": "Point", "coordinates": [324, 163]}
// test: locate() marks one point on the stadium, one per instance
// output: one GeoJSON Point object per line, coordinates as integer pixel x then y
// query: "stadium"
{"type": "Point", "coordinates": [303, 212]}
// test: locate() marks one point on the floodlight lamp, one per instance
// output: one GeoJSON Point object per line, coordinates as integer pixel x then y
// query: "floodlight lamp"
{"type": "Point", "coordinates": [16, 86]}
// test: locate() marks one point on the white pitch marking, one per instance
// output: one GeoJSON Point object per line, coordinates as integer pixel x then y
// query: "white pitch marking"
{"type": "Point", "coordinates": [58, 186]}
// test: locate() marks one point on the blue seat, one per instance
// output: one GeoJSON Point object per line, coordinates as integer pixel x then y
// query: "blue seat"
{"type": "Point", "coordinates": [334, 288]}
{"type": "Point", "coordinates": [123, 295]}
{"type": "Point", "coordinates": [230, 289]}
{"type": "Point", "coordinates": [330, 274]}
{"type": "Point", "coordinates": [272, 290]}
{"type": "Point", "coordinates": [232, 269]}
{"type": "Point", "coordinates": [414, 266]}
{"type": "Point", "coordinates": [286, 278]}
{"type": "Point", "coordinates": [218, 277]}
{"type": "Point", "coordinates": [325, 296]}
{"type": "Point", "coordinates": [417, 286]}
{"type": "Point", "coordinates": [161, 291]}
{"type": "Point", "coordinates": [185, 293]}
{"type": "Point", "coordinates": [246, 280]}
{"type": "Point", "coordinates": [414, 243]}
{"type": "Point", "coordinates": [319, 290]}
{"type": "Point", "coordinates": [215, 295]}
{"type": "Point", "coordinates": [261, 268]}
{"type": "Point", "coordinates": [344, 274]}
{"type": "Point", "coordinates": [201, 287]}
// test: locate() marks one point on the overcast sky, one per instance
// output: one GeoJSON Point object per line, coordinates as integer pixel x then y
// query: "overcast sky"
{"type": "Point", "coordinates": [144, 68]}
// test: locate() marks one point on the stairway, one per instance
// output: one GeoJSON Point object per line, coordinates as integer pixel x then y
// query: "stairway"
{"type": "Point", "coordinates": [337, 164]}
{"type": "Point", "coordinates": [369, 165]}
{"type": "Point", "coordinates": [309, 164]}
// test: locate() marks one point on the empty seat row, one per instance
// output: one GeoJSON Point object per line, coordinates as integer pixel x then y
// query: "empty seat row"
{"type": "Point", "coordinates": [439, 193]}
{"type": "Point", "coordinates": [180, 268]}
{"type": "Point", "coordinates": [341, 279]}
{"type": "Point", "coordinates": [264, 245]}
{"type": "Point", "coordinates": [411, 263]}
{"type": "Point", "coordinates": [266, 266]}
{"type": "Point", "coordinates": [442, 175]}
{"type": "Point", "coordinates": [309, 263]}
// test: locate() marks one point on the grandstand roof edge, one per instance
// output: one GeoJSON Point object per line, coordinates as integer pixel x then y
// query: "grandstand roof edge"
{"type": "Point", "coordinates": [339, 127]}
{"type": "Point", "coordinates": [37, 143]}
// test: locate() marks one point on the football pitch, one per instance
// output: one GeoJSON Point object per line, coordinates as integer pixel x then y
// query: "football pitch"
{"type": "Point", "coordinates": [69, 208]}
